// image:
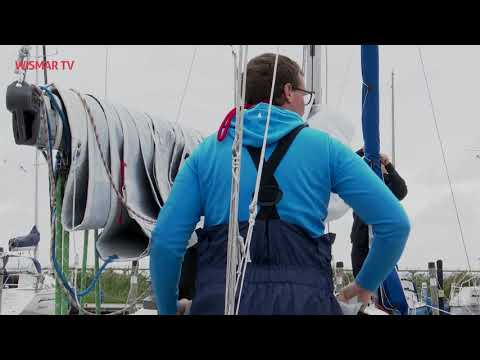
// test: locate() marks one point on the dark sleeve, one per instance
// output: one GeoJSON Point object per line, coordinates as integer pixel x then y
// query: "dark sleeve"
{"type": "Point", "coordinates": [186, 286]}
{"type": "Point", "coordinates": [397, 184]}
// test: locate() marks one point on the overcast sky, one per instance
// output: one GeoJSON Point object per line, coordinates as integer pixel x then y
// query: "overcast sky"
{"type": "Point", "coordinates": [152, 79]}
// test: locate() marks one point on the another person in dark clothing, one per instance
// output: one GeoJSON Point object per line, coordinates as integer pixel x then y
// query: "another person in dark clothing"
{"type": "Point", "coordinates": [359, 234]}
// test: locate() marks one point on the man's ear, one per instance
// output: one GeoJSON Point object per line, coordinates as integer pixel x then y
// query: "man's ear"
{"type": "Point", "coordinates": [288, 92]}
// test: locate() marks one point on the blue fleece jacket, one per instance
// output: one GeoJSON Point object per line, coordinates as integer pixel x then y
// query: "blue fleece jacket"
{"type": "Point", "coordinates": [315, 165]}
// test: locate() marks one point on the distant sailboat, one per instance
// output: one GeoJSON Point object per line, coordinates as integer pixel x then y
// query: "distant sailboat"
{"type": "Point", "coordinates": [26, 290]}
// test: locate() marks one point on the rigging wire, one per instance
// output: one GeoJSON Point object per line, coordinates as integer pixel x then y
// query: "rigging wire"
{"type": "Point", "coordinates": [253, 205]}
{"type": "Point", "coordinates": [106, 70]}
{"type": "Point", "coordinates": [234, 237]}
{"type": "Point", "coordinates": [443, 155]}
{"type": "Point", "coordinates": [345, 79]}
{"type": "Point", "coordinates": [187, 83]}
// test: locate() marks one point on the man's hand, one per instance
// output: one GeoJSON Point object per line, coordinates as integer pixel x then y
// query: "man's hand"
{"type": "Point", "coordinates": [183, 306]}
{"type": "Point", "coordinates": [352, 290]}
{"type": "Point", "coordinates": [384, 159]}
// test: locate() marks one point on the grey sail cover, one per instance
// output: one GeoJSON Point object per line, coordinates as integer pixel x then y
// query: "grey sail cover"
{"type": "Point", "coordinates": [143, 154]}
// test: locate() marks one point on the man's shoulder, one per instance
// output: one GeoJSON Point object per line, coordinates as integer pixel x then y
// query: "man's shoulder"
{"type": "Point", "coordinates": [205, 144]}
{"type": "Point", "coordinates": [315, 132]}
{"type": "Point", "coordinates": [314, 135]}
{"type": "Point", "coordinates": [318, 139]}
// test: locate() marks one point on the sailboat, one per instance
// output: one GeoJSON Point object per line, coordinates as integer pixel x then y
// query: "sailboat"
{"type": "Point", "coordinates": [465, 296]}
{"type": "Point", "coordinates": [26, 289]}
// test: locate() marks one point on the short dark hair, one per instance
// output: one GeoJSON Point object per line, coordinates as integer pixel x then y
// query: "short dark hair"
{"type": "Point", "coordinates": [260, 76]}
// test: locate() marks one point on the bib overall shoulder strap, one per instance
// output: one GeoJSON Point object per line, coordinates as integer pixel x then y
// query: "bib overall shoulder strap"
{"type": "Point", "coordinates": [270, 193]}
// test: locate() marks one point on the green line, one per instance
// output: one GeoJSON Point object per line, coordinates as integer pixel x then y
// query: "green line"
{"type": "Point", "coordinates": [84, 263]}
{"type": "Point", "coordinates": [58, 242]}
{"type": "Point", "coordinates": [66, 268]}
{"type": "Point", "coordinates": [97, 285]}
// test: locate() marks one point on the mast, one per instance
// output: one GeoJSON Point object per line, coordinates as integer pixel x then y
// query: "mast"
{"type": "Point", "coordinates": [371, 138]}
{"type": "Point", "coordinates": [44, 47]}
{"type": "Point", "coordinates": [35, 221]}
{"type": "Point", "coordinates": [393, 118]}
{"type": "Point", "coordinates": [313, 77]}
{"type": "Point", "coordinates": [371, 106]}
{"type": "Point", "coordinates": [106, 70]}
{"type": "Point", "coordinates": [326, 74]}
{"type": "Point", "coordinates": [326, 100]}
{"type": "Point", "coordinates": [314, 74]}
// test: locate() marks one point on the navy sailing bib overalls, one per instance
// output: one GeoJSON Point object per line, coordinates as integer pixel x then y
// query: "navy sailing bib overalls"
{"type": "Point", "coordinates": [290, 272]}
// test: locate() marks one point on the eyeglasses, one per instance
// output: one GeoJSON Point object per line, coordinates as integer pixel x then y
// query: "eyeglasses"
{"type": "Point", "coordinates": [308, 97]}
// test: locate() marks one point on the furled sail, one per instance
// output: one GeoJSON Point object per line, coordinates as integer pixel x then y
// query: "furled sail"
{"type": "Point", "coordinates": [142, 154]}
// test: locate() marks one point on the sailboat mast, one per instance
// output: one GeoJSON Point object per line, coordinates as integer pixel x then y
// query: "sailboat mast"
{"type": "Point", "coordinates": [393, 118]}
{"type": "Point", "coordinates": [106, 70]}
{"type": "Point", "coordinates": [314, 78]}
{"type": "Point", "coordinates": [326, 74]}
{"type": "Point", "coordinates": [313, 72]}
{"type": "Point", "coordinates": [36, 163]}
{"type": "Point", "coordinates": [326, 98]}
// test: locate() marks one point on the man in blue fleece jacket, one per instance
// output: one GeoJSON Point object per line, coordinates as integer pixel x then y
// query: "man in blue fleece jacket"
{"type": "Point", "coordinates": [290, 272]}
